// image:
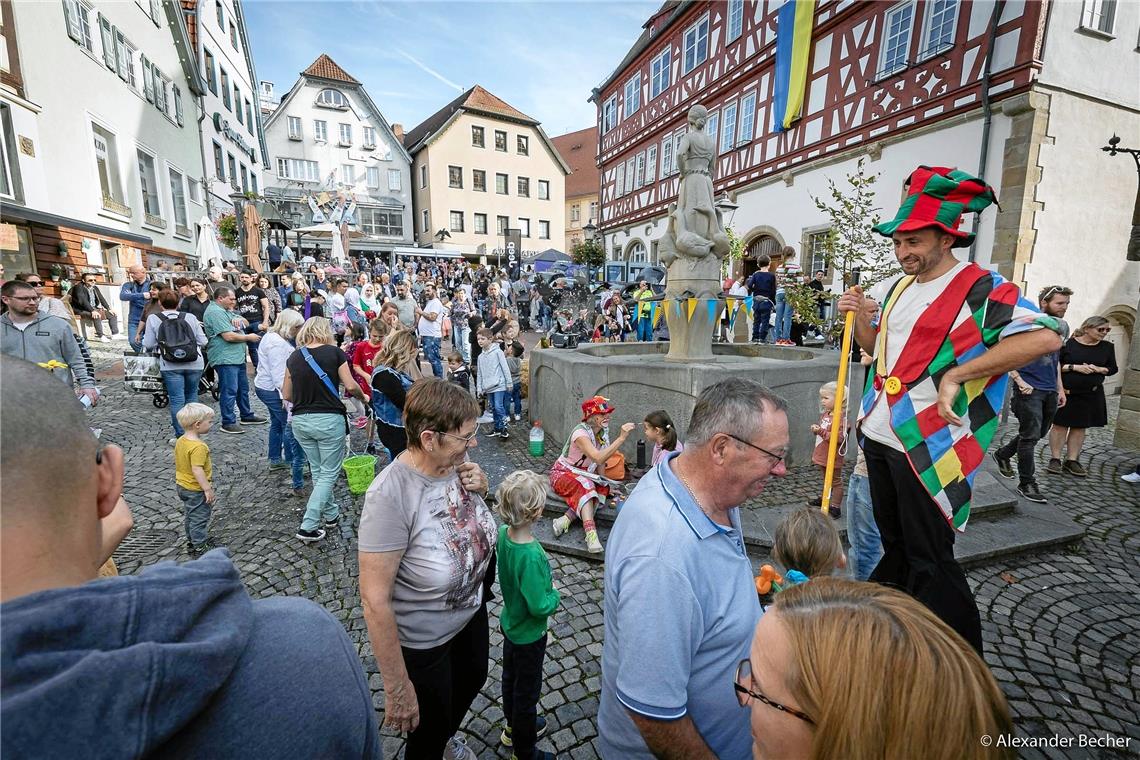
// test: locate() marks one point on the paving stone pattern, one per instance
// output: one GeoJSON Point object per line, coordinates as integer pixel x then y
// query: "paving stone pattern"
{"type": "Point", "coordinates": [1062, 628]}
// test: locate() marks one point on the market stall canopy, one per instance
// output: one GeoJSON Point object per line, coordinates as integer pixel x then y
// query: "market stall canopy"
{"type": "Point", "coordinates": [552, 255]}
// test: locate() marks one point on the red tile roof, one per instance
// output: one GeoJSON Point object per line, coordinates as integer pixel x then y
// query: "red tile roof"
{"type": "Point", "coordinates": [475, 99]}
{"type": "Point", "coordinates": [189, 12]}
{"type": "Point", "coordinates": [326, 68]}
{"type": "Point", "coordinates": [579, 150]}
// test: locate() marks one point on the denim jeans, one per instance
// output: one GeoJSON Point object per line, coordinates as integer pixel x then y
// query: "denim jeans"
{"type": "Point", "coordinates": [862, 532]}
{"type": "Point", "coordinates": [197, 515]}
{"type": "Point", "coordinates": [762, 317]}
{"type": "Point", "coordinates": [645, 329]}
{"type": "Point", "coordinates": [132, 331]}
{"type": "Point", "coordinates": [182, 388]}
{"type": "Point", "coordinates": [515, 400]}
{"type": "Point", "coordinates": [498, 401]}
{"type": "Point", "coordinates": [234, 388]}
{"type": "Point", "coordinates": [282, 445]}
{"type": "Point", "coordinates": [1034, 412]}
{"type": "Point", "coordinates": [431, 353]}
{"type": "Point", "coordinates": [322, 437]}
{"type": "Point", "coordinates": [460, 335]}
{"type": "Point", "coordinates": [522, 686]}
{"type": "Point", "coordinates": [783, 318]}
{"type": "Point", "coordinates": [252, 347]}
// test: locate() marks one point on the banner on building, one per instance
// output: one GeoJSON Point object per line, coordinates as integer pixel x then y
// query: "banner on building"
{"type": "Point", "coordinates": [793, 51]}
{"type": "Point", "coordinates": [513, 248]}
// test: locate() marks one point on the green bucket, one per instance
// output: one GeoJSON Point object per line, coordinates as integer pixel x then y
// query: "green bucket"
{"type": "Point", "coordinates": [360, 471]}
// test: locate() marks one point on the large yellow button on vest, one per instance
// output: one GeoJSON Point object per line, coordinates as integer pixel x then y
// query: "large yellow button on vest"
{"type": "Point", "coordinates": [893, 385]}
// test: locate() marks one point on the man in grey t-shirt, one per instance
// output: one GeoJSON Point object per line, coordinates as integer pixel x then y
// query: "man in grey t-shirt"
{"type": "Point", "coordinates": [406, 307]}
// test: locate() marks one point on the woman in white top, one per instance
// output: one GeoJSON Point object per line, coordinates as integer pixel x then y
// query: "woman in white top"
{"type": "Point", "coordinates": [179, 378]}
{"type": "Point", "coordinates": [368, 301]}
{"type": "Point", "coordinates": [272, 352]}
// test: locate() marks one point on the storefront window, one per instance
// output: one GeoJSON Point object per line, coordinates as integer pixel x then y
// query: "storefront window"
{"type": "Point", "coordinates": [16, 250]}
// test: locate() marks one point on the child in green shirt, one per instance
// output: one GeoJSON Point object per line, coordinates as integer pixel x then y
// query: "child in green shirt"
{"type": "Point", "coordinates": [529, 598]}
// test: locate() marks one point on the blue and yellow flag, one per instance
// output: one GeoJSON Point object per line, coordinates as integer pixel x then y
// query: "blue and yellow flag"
{"type": "Point", "coordinates": [793, 48]}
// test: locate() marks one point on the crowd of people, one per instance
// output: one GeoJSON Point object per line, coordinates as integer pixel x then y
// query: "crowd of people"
{"type": "Point", "coordinates": [698, 660]}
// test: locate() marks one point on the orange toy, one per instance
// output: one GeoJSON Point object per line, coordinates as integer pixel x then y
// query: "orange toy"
{"type": "Point", "coordinates": [768, 580]}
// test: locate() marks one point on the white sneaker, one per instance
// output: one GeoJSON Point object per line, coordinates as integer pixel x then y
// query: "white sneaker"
{"type": "Point", "coordinates": [561, 525]}
{"type": "Point", "coordinates": [486, 418]}
{"type": "Point", "coordinates": [457, 749]}
{"type": "Point", "coordinates": [104, 339]}
{"type": "Point", "coordinates": [1132, 477]}
{"type": "Point", "coordinates": [517, 418]}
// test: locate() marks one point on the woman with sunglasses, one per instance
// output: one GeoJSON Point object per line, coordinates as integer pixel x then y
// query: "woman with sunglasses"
{"type": "Point", "coordinates": [427, 540]}
{"type": "Point", "coordinates": [1086, 360]}
{"type": "Point", "coordinates": [852, 670]}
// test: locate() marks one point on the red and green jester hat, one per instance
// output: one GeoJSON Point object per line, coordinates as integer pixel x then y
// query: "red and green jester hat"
{"type": "Point", "coordinates": [976, 310]}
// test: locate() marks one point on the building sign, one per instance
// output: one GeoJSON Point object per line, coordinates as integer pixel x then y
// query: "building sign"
{"type": "Point", "coordinates": [223, 126]}
{"type": "Point", "coordinates": [9, 238]}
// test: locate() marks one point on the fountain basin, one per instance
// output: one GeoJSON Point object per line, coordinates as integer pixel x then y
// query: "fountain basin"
{"type": "Point", "coordinates": [637, 378]}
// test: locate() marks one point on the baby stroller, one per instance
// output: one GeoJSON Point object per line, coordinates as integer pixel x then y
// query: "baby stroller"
{"type": "Point", "coordinates": [142, 375]}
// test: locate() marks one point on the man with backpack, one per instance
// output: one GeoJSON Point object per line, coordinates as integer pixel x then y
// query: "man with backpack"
{"type": "Point", "coordinates": [181, 343]}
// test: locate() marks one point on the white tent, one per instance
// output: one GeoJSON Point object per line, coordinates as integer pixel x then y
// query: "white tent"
{"type": "Point", "coordinates": [207, 249]}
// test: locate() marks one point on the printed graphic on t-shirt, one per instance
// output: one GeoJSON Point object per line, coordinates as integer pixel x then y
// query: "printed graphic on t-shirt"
{"type": "Point", "coordinates": [464, 531]}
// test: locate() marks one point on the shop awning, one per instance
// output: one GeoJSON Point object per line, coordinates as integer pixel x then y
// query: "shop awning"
{"type": "Point", "coordinates": [435, 253]}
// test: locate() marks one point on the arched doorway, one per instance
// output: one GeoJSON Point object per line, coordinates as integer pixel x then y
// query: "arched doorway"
{"type": "Point", "coordinates": [762, 245]}
{"type": "Point", "coordinates": [1121, 319]}
{"type": "Point", "coordinates": [635, 252]}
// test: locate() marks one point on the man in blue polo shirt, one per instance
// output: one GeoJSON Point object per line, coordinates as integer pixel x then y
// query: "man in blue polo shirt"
{"type": "Point", "coordinates": [680, 601]}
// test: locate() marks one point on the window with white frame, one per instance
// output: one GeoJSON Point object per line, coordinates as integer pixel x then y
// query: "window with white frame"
{"type": "Point", "coordinates": [220, 162]}
{"type": "Point", "coordinates": [330, 98]}
{"type": "Point", "coordinates": [1099, 15]}
{"type": "Point", "coordinates": [220, 13]}
{"type": "Point", "coordinates": [455, 177]}
{"type": "Point", "coordinates": [522, 145]}
{"type": "Point", "coordinates": [320, 130]}
{"type": "Point", "coordinates": [632, 94]}
{"type": "Point", "coordinates": [735, 19]}
{"type": "Point", "coordinates": [369, 137]}
{"type": "Point", "coordinates": [178, 200]}
{"type": "Point", "coordinates": [938, 32]}
{"type": "Point", "coordinates": [747, 119]}
{"type": "Point", "coordinates": [211, 71]}
{"type": "Point", "coordinates": [107, 35]}
{"type": "Point", "coordinates": [677, 137]}
{"type": "Point", "coordinates": [192, 190]}
{"type": "Point", "coordinates": [630, 168]}
{"type": "Point", "coordinates": [237, 104]}
{"type": "Point", "coordinates": [696, 44]}
{"type": "Point", "coordinates": [231, 162]}
{"type": "Point", "coordinates": [77, 15]}
{"type": "Point", "coordinates": [424, 225]}
{"type": "Point", "coordinates": [640, 181]}
{"type": "Point", "coordinates": [659, 74]}
{"type": "Point", "coordinates": [479, 180]}
{"type": "Point", "coordinates": [593, 211]}
{"type": "Point", "coordinates": [345, 134]}
{"type": "Point", "coordinates": [457, 221]}
{"type": "Point", "coordinates": [125, 54]}
{"type": "Point", "coordinates": [712, 126]}
{"type": "Point", "coordinates": [253, 181]}
{"type": "Point", "coordinates": [395, 180]}
{"type": "Point", "coordinates": [10, 186]}
{"type": "Point", "coordinates": [576, 212]}
{"type": "Point", "coordinates": [224, 84]}
{"type": "Point", "coordinates": [178, 114]}
{"type": "Point", "coordinates": [543, 230]}
{"type": "Point", "coordinates": [249, 119]}
{"type": "Point", "coordinates": [609, 114]}
{"type": "Point", "coordinates": [501, 224]}
{"type": "Point", "coordinates": [524, 227]}
{"type": "Point", "coordinates": [294, 123]}
{"type": "Point", "coordinates": [244, 179]}
{"type": "Point", "coordinates": [348, 174]}
{"type": "Point", "coordinates": [651, 165]}
{"type": "Point", "coordinates": [667, 156]}
{"type": "Point", "coordinates": [480, 224]}
{"type": "Point", "coordinates": [298, 169]}
{"type": "Point", "coordinates": [380, 221]}
{"type": "Point", "coordinates": [161, 83]}
{"type": "Point", "coordinates": [423, 176]}
{"type": "Point", "coordinates": [897, 25]}
{"type": "Point", "coordinates": [815, 251]}
{"type": "Point", "coordinates": [543, 190]}
{"type": "Point", "coordinates": [728, 129]}
{"type": "Point", "coordinates": [233, 35]}
{"type": "Point", "coordinates": [107, 164]}
{"type": "Point", "coordinates": [372, 175]}
{"type": "Point", "coordinates": [619, 179]}
{"type": "Point", "coordinates": [148, 184]}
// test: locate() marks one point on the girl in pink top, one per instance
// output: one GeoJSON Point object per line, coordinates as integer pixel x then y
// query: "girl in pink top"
{"type": "Point", "coordinates": [659, 428]}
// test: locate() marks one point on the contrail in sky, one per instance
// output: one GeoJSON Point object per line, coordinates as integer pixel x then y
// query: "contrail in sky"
{"type": "Point", "coordinates": [434, 73]}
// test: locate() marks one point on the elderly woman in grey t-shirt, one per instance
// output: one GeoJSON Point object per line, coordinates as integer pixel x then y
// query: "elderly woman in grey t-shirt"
{"type": "Point", "coordinates": [427, 541]}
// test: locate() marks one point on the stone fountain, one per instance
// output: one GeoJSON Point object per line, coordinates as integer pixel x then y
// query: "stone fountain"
{"type": "Point", "coordinates": [641, 377]}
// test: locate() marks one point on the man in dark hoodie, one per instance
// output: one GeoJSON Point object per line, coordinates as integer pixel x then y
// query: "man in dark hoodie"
{"type": "Point", "coordinates": [177, 661]}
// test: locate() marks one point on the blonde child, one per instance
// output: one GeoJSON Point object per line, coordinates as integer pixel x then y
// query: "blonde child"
{"type": "Point", "coordinates": [529, 598]}
{"type": "Point", "coordinates": [822, 432]}
{"type": "Point", "coordinates": [807, 543]}
{"type": "Point", "coordinates": [192, 474]}
{"type": "Point", "coordinates": [659, 429]}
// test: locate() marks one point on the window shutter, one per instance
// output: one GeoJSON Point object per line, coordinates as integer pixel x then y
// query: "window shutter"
{"type": "Point", "coordinates": [178, 105]}
{"type": "Point", "coordinates": [148, 79]}
{"type": "Point", "coordinates": [156, 12]}
{"type": "Point", "coordinates": [107, 35]}
{"type": "Point", "coordinates": [71, 18]}
{"type": "Point", "coordinates": [159, 90]}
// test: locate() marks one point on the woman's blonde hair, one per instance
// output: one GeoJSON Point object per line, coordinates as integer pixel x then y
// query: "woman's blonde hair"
{"type": "Point", "coordinates": [287, 324]}
{"type": "Point", "coordinates": [806, 540]}
{"type": "Point", "coordinates": [882, 676]}
{"type": "Point", "coordinates": [400, 351]}
{"type": "Point", "coordinates": [1090, 324]}
{"type": "Point", "coordinates": [316, 330]}
{"type": "Point", "coordinates": [521, 497]}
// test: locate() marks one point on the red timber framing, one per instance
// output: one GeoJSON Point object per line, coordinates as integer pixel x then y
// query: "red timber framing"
{"type": "Point", "coordinates": [847, 100]}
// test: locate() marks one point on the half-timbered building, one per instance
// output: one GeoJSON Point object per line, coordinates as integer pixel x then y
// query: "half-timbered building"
{"type": "Point", "coordinates": [1022, 93]}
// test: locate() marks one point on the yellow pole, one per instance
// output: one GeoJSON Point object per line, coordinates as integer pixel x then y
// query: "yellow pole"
{"type": "Point", "coordinates": [838, 418]}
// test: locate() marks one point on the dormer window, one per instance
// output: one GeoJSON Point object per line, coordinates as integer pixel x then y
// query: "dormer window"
{"type": "Point", "coordinates": [331, 98]}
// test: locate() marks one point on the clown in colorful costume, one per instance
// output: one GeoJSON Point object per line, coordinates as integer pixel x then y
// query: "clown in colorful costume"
{"type": "Point", "coordinates": [943, 341]}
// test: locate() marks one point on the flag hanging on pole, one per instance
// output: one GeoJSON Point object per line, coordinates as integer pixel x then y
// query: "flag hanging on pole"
{"type": "Point", "coordinates": [793, 48]}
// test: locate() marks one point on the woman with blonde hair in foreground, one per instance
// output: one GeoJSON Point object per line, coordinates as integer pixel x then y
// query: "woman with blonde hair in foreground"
{"type": "Point", "coordinates": [843, 669]}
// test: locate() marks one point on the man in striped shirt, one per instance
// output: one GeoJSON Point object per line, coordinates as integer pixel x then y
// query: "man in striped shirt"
{"type": "Point", "coordinates": [787, 274]}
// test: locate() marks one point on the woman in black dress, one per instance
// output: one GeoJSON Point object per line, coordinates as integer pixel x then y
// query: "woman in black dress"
{"type": "Point", "coordinates": [1086, 360]}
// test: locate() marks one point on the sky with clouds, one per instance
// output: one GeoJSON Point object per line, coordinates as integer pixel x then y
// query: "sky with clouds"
{"type": "Point", "coordinates": [542, 57]}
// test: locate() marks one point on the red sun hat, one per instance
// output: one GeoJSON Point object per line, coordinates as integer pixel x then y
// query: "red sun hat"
{"type": "Point", "coordinates": [938, 196]}
{"type": "Point", "coordinates": [595, 405]}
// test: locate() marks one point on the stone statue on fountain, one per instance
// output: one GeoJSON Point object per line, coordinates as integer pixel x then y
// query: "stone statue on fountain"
{"type": "Point", "coordinates": [694, 245]}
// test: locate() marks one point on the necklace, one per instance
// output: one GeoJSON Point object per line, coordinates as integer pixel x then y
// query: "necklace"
{"type": "Point", "coordinates": [693, 493]}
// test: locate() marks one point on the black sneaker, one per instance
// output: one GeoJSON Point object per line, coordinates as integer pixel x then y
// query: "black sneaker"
{"type": "Point", "coordinates": [254, 420]}
{"type": "Point", "coordinates": [1005, 466]}
{"type": "Point", "coordinates": [505, 435]}
{"type": "Point", "coordinates": [309, 536]}
{"type": "Point", "coordinates": [1031, 492]}
{"type": "Point", "coordinates": [232, 428]}
{"type": "Point", "coordinates": [834, 513]}
{"type": "Point", "coordinates": [539, 726]}
{"type": "Point", "coordinates": [333, 522]}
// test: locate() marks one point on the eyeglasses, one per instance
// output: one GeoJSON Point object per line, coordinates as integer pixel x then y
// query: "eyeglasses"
{"type": "Point", "coordinates": [778, 457]}
{"type": "Point", "coordinates": [1056, 289]}
{"type": "Point", "coordinates": [26, 298]}
{"type": "Point", "coordinates": [35, 283]}
{"type": "Point", "coordinates": [467, 439]}
{"type": "Point", "coordinates": [744, 695]}
{"type": "Point", "coordinates": [1104, 330]}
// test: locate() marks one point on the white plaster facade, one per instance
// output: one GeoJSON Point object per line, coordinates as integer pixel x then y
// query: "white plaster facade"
{"type": "Point", "coordinates": [105, 153]}
{"type": "Point", "coordinates": [305, 157]}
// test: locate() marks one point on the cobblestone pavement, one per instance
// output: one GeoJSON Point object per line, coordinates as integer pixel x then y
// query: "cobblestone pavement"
{"type": "Point", "coordinates": [1062, 628]}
